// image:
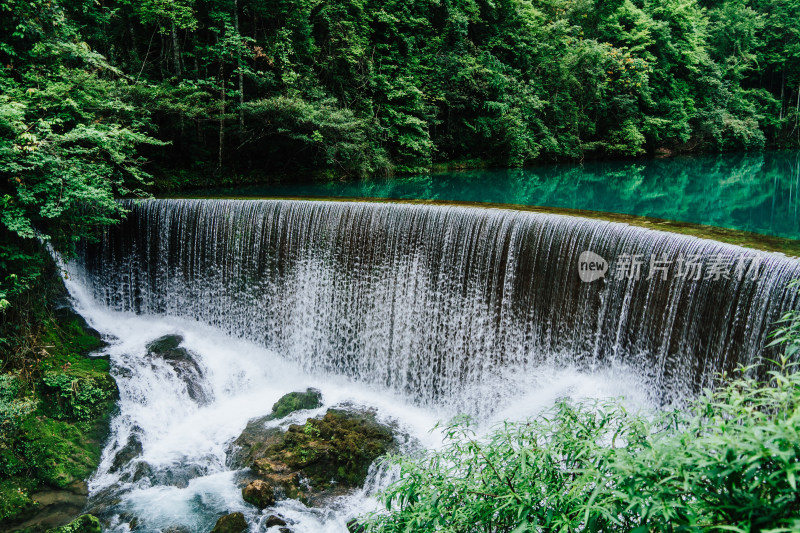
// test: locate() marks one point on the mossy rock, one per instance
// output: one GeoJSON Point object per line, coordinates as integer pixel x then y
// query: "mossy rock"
{"type": "Point", "coordinates": [231, 523]}
{"type": "Point", "coordinates": [78, 394]}
{"type": "Point", "coordinates": [257, 436]}
{"type": "Point", "coordinates": [322, 457]}
{"type": "Point", "coordinates": [15, 499]}
{"type": "Point", "coordinates": [296, 401]}
{"type": "Point", "coordinates": [274, 520]}
{"type": "Point", "coordinates": [68, 317]}
{"type": "Point", "coordinates": [59, 422]}
{"type": "Point", "coordinates": [62, 452]}
{"type": "Point", "coordinates": [83, 524]}
{"type": "Point", "coordinates": [339, 448]}
{"type": "Point", "coordinates": [164, 345]}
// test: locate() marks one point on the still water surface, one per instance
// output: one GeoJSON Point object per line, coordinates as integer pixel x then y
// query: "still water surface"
{"type": "Point", "coordinates": [758, 193]}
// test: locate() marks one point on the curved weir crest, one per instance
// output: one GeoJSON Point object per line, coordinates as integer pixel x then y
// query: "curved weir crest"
{"type": "Point", "coordinates": [428, 301]}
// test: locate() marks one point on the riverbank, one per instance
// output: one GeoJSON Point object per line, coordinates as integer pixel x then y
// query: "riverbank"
{"type": "Point", "coordinates": [55, 405]}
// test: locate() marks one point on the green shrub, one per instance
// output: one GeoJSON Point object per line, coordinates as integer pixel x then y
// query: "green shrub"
{"type": "Point", "coordinates": [80, 396]}
{"type": "Point", "coordinates": [729, 462]}
{"type": "Point", "coordinates": [13, 408]}
{"type": "Point", "coordinates": [83, 524]}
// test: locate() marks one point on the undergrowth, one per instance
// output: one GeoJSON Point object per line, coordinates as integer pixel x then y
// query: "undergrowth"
{"type": "Point", "coordinates": [728, 462]}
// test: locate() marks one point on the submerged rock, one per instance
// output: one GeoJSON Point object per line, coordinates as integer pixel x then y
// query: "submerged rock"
{"type": "Point", "coordinates": [274, 520]}
{"type": "Point", "coordinates": [323, 457]}
{"type": "Point", "coordinates": [231, 523]}
{"type": "Point", "coordinates": [259, 493]}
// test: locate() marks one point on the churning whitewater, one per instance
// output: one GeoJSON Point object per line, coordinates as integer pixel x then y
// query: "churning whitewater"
{"type": "Point", "coordinates": [417, 312]}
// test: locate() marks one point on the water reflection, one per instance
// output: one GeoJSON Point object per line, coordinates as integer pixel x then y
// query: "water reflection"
{"type": "Point", "coordinates": [749, 192]}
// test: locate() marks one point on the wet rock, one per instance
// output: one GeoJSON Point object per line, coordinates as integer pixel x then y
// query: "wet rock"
{"type": "Point", "coordinates": [177, 475]}
{"type": "Point", "coordinates": [285, 530]}
{"type": "Point", "coordinates": [338, 448]}
{"type": "Point", "coordinates": [141, 470]}
{"type": "Point", "coordinates": [52, 509]}
{"type": "Point", "coordinates": [65, 313]}
{"type": "Point", "coordinates": [166, 345]}
{"type": "Point", "coordinates": [259, 493]}
{"type": "Point", "coordinates": [79, 488]}
{"type": "Point", "coordinates": [83, 524]}
{"type": "Point", "coordinates": [274, 520]}
{"type": "Point", "coordinates": [251, 442]}
{"type": "Point", "coordinates": [177, 529]}
{"type": "Point", "coordinates": [256, 435]}
{"type": "Point", "coordinates": [231, 523]}
{"type": "Point", "coordinates": [131, 450]}
{"type": "Point", "coordinates": [185, 365]}
{"type": "Point", "coordinates": [296, 401]}
{"type": "Point", "coordinates": [323, 457]}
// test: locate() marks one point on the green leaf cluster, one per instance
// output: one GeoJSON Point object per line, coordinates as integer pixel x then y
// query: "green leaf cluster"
{"type": "Point", "coordinates": [727, 463]}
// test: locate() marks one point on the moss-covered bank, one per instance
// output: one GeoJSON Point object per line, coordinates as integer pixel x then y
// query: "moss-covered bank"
{"type": "Point", "coordinates": [55, 404]}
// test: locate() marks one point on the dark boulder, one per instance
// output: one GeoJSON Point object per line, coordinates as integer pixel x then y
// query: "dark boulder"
{"type": "Point", "coordinates": [231, 523]}
{"type": "Point", "coordinates": [274, 520]}
{"type": "Point", "coordinates": [184, 362]}
{"type": "Point", "coordinates": [126, 454]}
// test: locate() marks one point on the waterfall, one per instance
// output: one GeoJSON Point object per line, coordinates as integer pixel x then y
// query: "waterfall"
{"type": "Point", "coordinates": [426, 300]}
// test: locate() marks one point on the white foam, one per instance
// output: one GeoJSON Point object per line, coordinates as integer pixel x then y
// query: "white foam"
{"type": "Point", "coordinates": [180, 437]}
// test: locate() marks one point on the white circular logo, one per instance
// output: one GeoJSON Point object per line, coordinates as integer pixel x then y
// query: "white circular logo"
{"type": "Point", "coordinates": [591, 266]}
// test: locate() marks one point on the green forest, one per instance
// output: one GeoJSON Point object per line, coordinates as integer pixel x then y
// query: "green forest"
{"type": "Point", "coordinates": [201, 90]}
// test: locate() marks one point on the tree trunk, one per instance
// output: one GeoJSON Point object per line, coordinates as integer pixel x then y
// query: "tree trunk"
{"type": "Point", "coordinates": [239, 66]}
{"type": "Point", "coordinates": [176, 52]}
{"type": "Point", "coordinates": [221, 114]}
{"type": "Point", "coordinates": [134, 53]}
{"type": "Point", "coordinates": [797, 111]}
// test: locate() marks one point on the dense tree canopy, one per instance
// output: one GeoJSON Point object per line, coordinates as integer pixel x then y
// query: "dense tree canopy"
{"type": "Point", "coordinates": [359, 87]}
